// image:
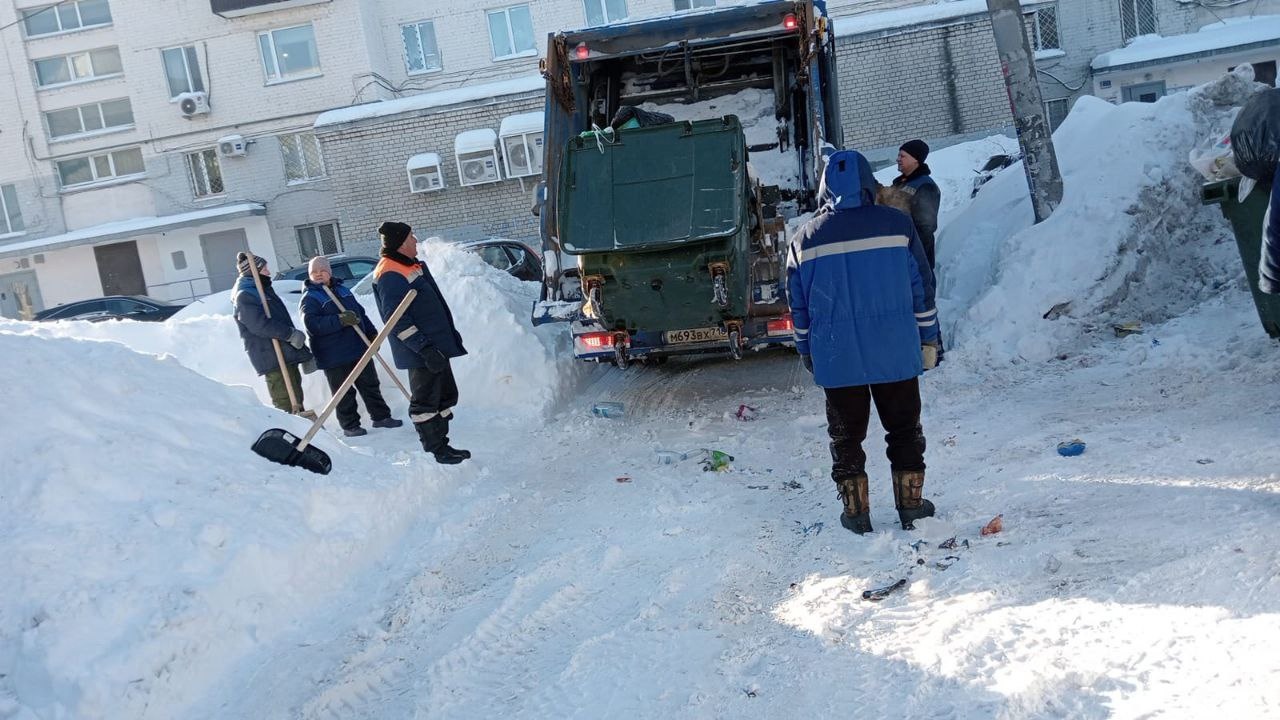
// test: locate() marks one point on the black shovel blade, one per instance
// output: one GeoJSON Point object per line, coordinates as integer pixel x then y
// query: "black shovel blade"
{"type": "Point", "coordinates": [281, 446]}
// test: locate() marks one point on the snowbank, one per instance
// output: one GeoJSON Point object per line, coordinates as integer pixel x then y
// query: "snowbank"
{"type": "Point", "coordinates": [145, 548]}
{"type": "Point", "coordinates": [1130, 242]}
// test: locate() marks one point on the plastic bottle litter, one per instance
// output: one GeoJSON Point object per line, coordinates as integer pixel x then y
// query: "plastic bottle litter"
{"type": "Point", "coordinates": [671, 457]}
{"type": "Point", "coordinates": [1071, 448]}
{"type": "Point", "coordinates": [608, 410]}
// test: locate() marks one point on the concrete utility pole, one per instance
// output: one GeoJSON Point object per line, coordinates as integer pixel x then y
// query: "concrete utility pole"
{"type": "Point", "coordinates": [1034, 135]}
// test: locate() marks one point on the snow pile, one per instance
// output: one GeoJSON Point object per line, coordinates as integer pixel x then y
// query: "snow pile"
{"type": "Point", "coordinates": [1130, 242]}
{"type": "Point", "coordinates": [145, 549]}
{"type": "Point", "coordinates": [954, 169]}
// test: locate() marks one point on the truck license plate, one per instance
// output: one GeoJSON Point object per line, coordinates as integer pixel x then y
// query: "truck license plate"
{"type": "Point", "coordinates": [696, 335]}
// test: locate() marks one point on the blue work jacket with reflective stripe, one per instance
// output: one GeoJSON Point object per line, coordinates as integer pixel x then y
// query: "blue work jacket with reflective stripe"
{"type": "Point", "coordinates": [858, 283]}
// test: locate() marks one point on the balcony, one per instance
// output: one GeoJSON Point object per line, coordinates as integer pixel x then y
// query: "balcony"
{"type": "Point", "coordinates": [240, 8]}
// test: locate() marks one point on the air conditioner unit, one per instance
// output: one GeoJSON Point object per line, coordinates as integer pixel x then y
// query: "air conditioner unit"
{"type": "Point", "coordinates": [523, 154]}
{"type": "Point", "coordinates": [193, 103]}
{"type": "Point", "coordinates": [522, 144]}
{"type": "Point", "coordinates": [425, 174]}
{"type": "Point", "coordinates": [233, 146]}
{"type": "Point", "coordinates": [477, 154]}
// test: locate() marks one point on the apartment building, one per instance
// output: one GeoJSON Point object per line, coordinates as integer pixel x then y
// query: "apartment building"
{"type": "Point", "coordinates": [143, 143]}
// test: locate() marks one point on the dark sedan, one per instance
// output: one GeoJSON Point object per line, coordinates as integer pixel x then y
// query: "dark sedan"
{"type": "Point", "coordinates": [115, 307]}
{"type": "Point", "coordinates": [347, 268]}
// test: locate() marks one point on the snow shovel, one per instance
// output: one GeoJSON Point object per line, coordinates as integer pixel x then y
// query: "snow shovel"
{"type": "Point", "coordinates": [284, 447]}
{"type": "Point", "coordinates": [295, 407]}
{"type": "Point", "coordinates": [385, 366]}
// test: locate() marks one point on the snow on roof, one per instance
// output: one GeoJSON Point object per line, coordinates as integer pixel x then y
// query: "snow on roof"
{"type": "Point", "coordinates": [424, 101]}
{"type": "Point", "coordinates": [130, 227]}
{"type": "Point", "coordinates": [423, 160]}
{"type": "Point", "coordinates": [907, 17]}
{"type": "Point", "coordinates": [475, 141]}
{"type": "Point", "coordinates": [1218, 36]}
{"type": "Point", "coordinates": [523, 123]}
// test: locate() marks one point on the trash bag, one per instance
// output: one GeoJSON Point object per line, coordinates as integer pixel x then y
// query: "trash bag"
{"type": "Point", "coordinates": [1213, 158]}
{"type": "Point", "coordinates": [642, 118]}
{"type": "Point", "coordinates": [1255, 136]}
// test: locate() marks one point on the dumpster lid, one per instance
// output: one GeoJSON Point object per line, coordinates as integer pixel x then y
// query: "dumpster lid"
{"type": "Point", "coordinates": [653, 187]}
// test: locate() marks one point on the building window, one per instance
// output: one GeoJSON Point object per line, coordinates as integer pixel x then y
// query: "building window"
{"type": "Point", "coordinates": [289, 53]}
{"type": "Point", "coordinates": [1137, 17]}
{"type": "Point", "coordinates": [10, 213]}
{"type": "Point", "coordinates": [179, 259]}
{"type": "Point", "coordinates": [99, 168]}
{"type": "Point", "coordinates": [319, 239]}
{"type": "Point", "coordinates": [511, 32]}
{"type": "Point", "coordinates": [206, 173]}
{"type": "Point", "coordinates": [1044, 24]}
{"type": "Point", "coordinates": [1056, 111]}
{"type": "Point", "coordinates": [421, 53]}
{"type": "Point", "coordinates": [66, 16]}
{"type": "Point", "coordinates": [78, 67]}
{"type": "Point", "coordinates": [302, 158]}
{"type": "Point", "coordinates": [182, 70]}
{"type": "Point", "coordinates": [691, 4]}
{"type": "Point", "coordinates": [103, 116]}
{"type": "Point", "coordinates": [603, 12]}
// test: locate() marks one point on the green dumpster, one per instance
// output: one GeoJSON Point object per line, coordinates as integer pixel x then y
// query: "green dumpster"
{"type": "Point", "coordinates": [1246, 223]}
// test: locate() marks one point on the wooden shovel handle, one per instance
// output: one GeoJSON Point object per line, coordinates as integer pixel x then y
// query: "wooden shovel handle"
{"type": "Point", "coordinates": [383, 361]}
{"type": "Point", "coordinates": [355, 372]}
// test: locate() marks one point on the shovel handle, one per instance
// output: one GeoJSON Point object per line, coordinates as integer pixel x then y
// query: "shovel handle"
{"type": "Point", "coordinates": [294, 405]}
{"type": "Point", "coordinates": [355, 372]}
{"type": "Point", "coordinates": [381, 360]}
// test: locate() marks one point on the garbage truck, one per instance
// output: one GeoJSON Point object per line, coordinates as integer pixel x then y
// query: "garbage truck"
{"type": "Point", "coordinates": [675, 150]}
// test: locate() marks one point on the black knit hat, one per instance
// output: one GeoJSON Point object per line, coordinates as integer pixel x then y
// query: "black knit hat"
{"type": "Point", "coordinates": [917, 149]}
{"type": "Point", "coordinates": [393, 234]}
{"type": "Point", "coordinates": [242, 263]}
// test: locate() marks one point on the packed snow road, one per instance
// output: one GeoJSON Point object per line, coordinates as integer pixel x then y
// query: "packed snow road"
{"type": "Point", "coordinates": [573, 576]}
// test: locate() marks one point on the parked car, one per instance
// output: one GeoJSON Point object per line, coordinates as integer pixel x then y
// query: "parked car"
{"type": "Point", "coordinates": [994, 165]}
{"type": "Point", "coordinates": [114, 307]}
{"type": "Point", "coordinates": [512, 256]}
{"type": "Point", "coordinates": [347, 268]}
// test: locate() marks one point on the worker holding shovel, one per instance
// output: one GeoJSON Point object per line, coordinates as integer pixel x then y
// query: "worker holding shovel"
{"type": "Point", "coordinates": [275, 347]}
{"type": "Point", "coordinates": [340, 330]}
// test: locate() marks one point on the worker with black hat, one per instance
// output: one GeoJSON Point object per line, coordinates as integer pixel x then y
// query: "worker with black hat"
{"type": "Point", "coordinates": [915, 181]}
{"type": "Point", "coordinates": [423, 341]}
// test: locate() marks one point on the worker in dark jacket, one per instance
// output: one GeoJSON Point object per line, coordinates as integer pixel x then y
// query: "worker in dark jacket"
{"type": "Point", "coordinates": [257, 331]}
{"type": "Point", "coordinates": [338, 347]}
{"type": "Point", "coordinates": [915, 180]}
{"type": "Point", "coordinates": [861, 302]}
{"type": "Point", "coordinates": [423, 341]}
{"type": "Point", "coordinates": [1269, 265]}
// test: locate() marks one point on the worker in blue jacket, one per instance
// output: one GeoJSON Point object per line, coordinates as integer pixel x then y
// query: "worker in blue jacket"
{"type": "Point", "coordinates": [423, 341]}
{"type": "Point", "coordinates": [338, 347]}
{"type": "Point", "coordinates": [861, 296]}
{"type": "Point", "coordinates": [1269, 264]}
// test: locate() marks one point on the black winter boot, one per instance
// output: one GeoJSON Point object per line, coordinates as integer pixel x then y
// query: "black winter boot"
{"type": "Point", "coordinates": [853, 492]}
{"type": "Point", "coordinates": [448, 456]}
{"type": "Point", "coordinates": [908, 486]}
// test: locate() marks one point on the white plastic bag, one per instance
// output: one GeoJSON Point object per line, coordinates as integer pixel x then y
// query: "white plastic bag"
{"type": "Point", "coordinates": [1212, 158]}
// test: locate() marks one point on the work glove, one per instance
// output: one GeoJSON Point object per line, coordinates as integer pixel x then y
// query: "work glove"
{"type": "Point", "coordinates": [435, 360]}
{"type": "Point", "coordinates": [929, 355]}
{"type": "Point", "coordinates": [298, 339]}
{"type": "Point", "coordinates": [349, 318]}
{"type": "Point", "coordinates": [807, 361]}
{"type": "Point", "coordinates": [308, 366]}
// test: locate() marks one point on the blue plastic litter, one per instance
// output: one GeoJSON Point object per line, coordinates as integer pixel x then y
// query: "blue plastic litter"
{"type": "Point", "coordinates": [1071, 448]}
{"type": "Point", "coordinates": [608, 409]}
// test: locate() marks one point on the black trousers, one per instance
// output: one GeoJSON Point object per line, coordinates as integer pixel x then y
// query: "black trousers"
{"type": "Point", "coordinates": [433, 396]}
{"type": "Point", "coordinates": [849, 410]}
{"type": "Point", "coordinates": [367, 384]}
